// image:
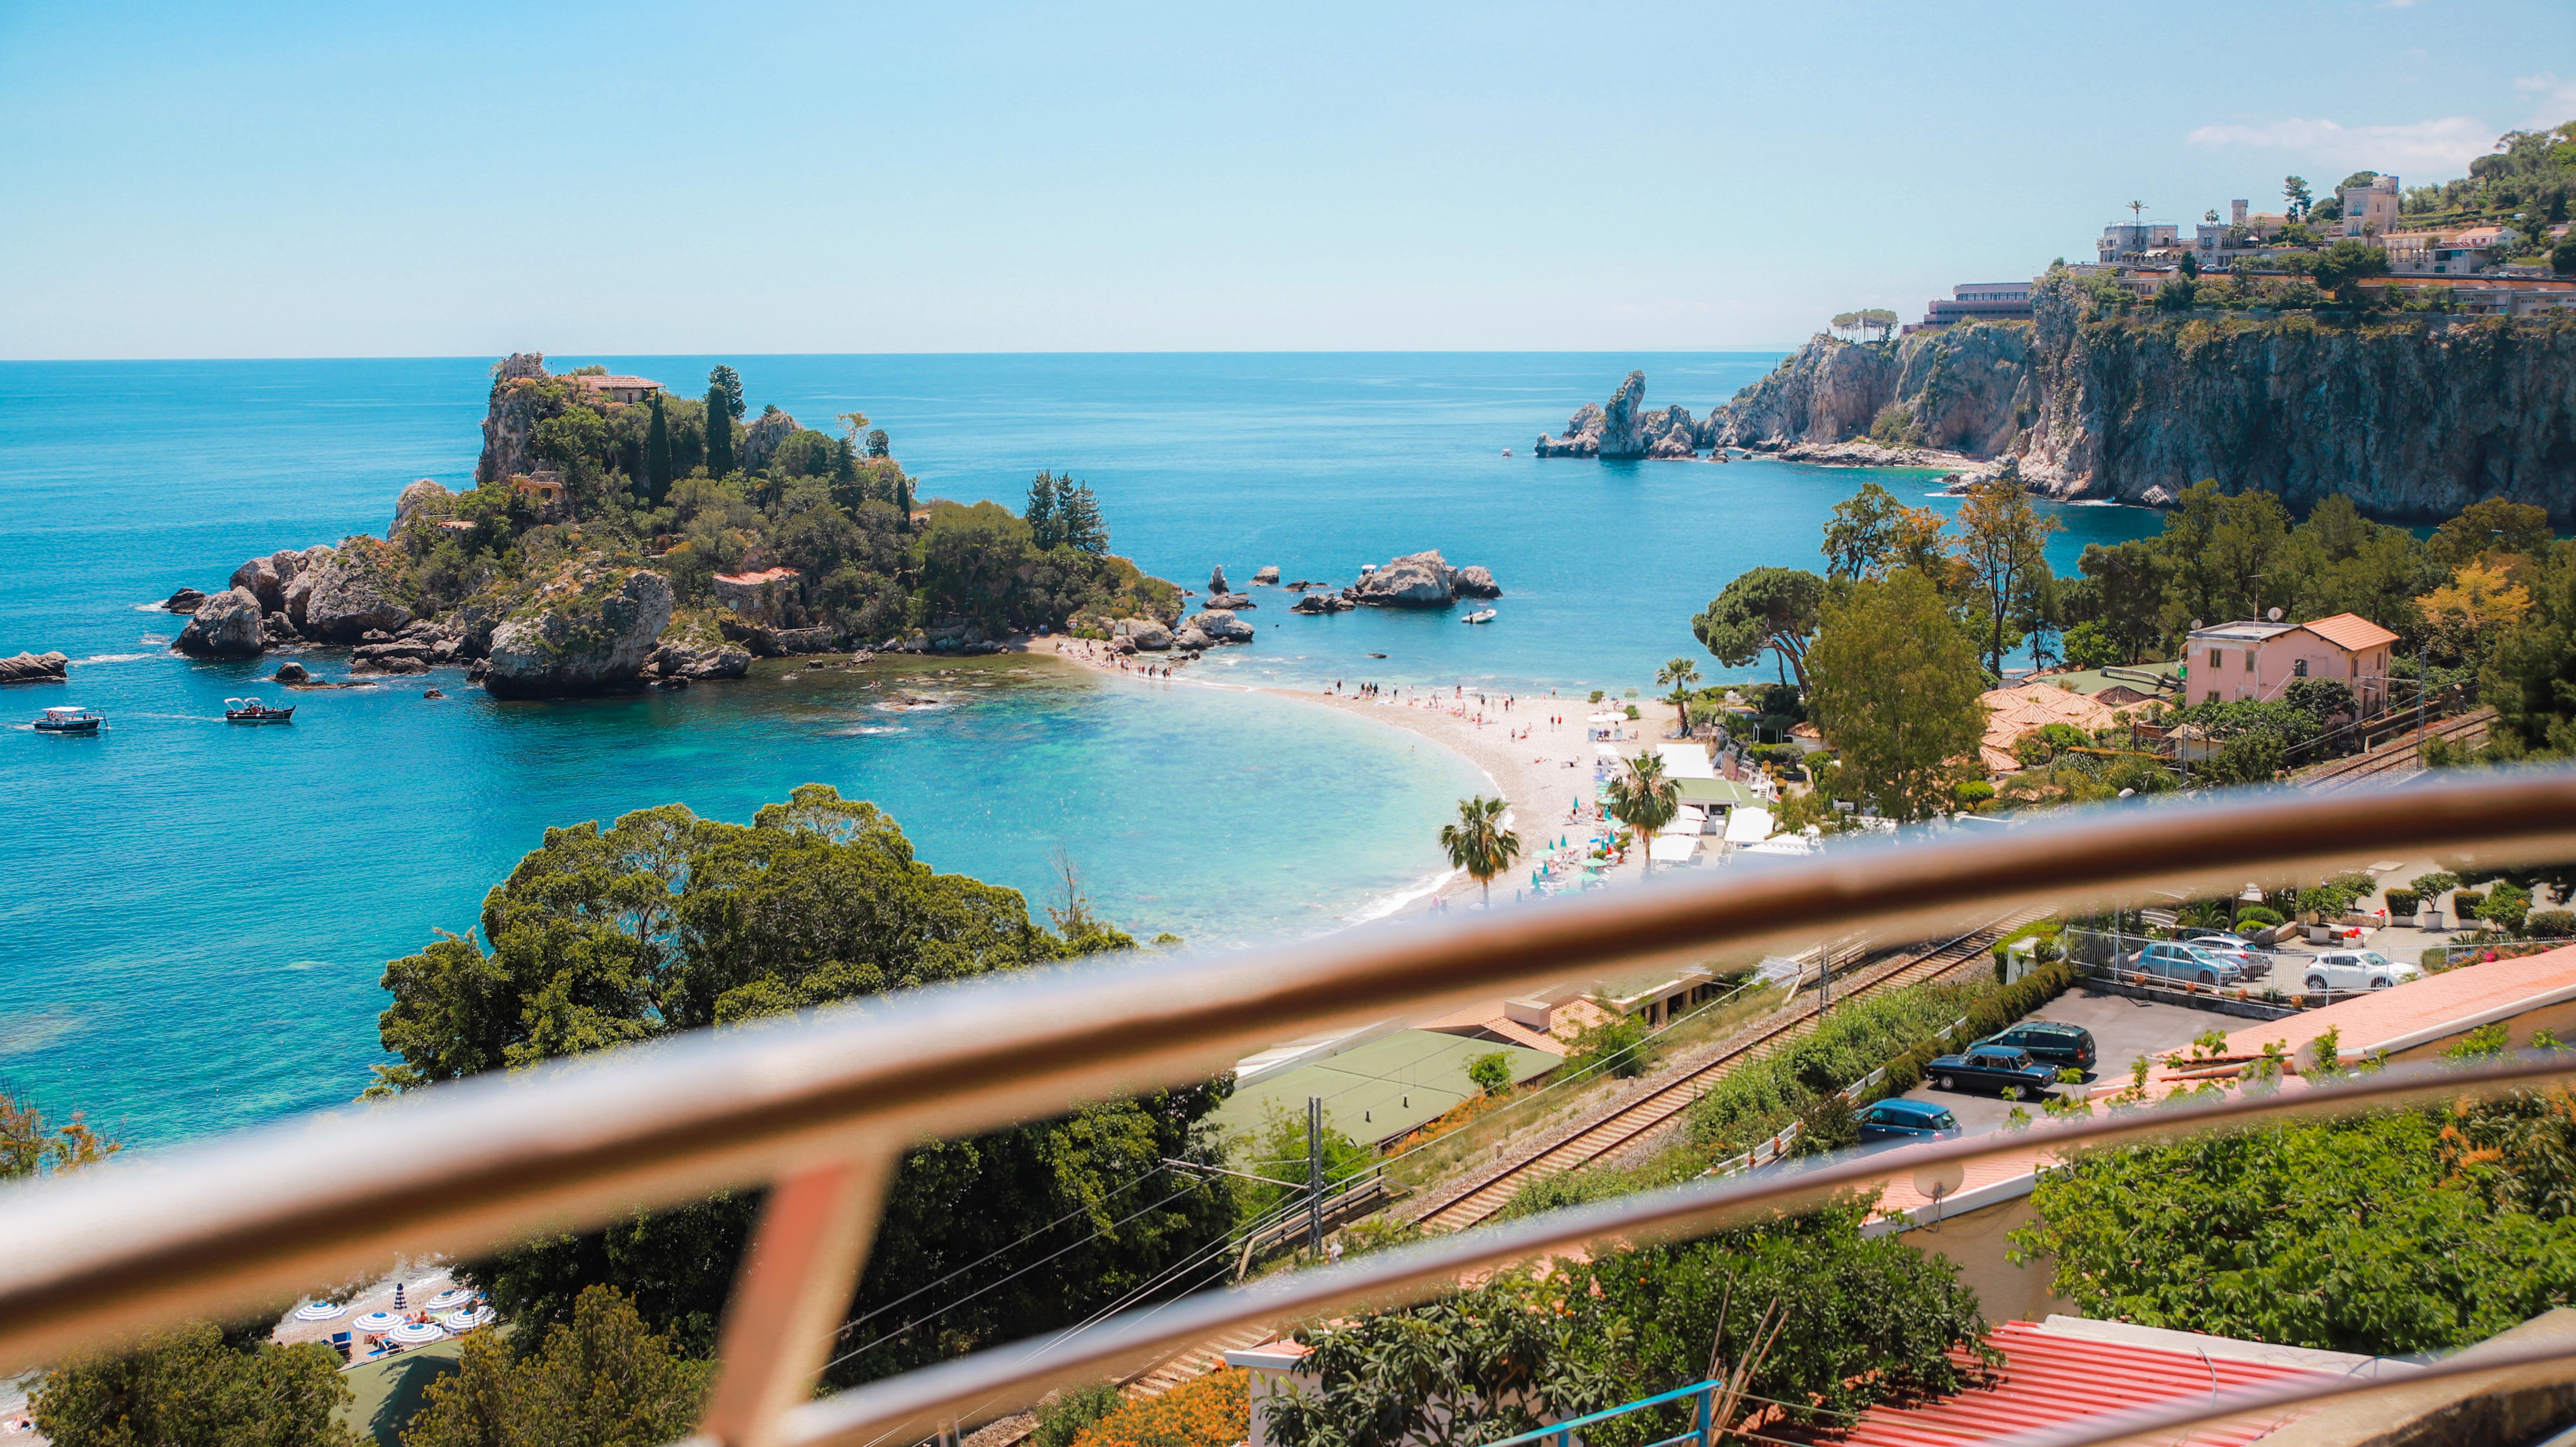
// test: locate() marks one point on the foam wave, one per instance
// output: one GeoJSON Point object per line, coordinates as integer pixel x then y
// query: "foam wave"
{"type": "Point", "coordinates": [1423, 888]}
{"type": "Point", "coordinates": [118, 657]}
{"type": "Point", "coordinates": [149, 608]}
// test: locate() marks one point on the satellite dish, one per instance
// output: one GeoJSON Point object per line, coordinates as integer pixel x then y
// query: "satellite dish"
{"type": "Point", "coordinates": [2196, 625]}
{"type": "Point", "coordinates": [2274, 615]}
{"type": "Point", "coordinates": [1941, 1180]}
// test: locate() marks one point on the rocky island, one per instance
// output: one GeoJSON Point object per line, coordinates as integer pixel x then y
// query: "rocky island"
{"type": "Point", "coordinates": [618, 536]}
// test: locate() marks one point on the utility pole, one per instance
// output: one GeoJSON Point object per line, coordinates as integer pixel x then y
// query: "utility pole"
{"type": "Point", "coordinates": [1315, 1175]}
{"type": "Point", "coordinates": [1825, 977]}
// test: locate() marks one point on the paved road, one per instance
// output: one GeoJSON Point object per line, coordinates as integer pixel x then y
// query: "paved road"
{"type": "Point", "coordinates": [2123, 1029]}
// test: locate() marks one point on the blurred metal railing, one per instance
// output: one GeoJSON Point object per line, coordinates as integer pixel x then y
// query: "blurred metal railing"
{"type": "Point", "coordinates": [819, 1108]}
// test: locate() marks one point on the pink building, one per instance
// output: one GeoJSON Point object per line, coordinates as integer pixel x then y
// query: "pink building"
{"type": "Point", "coordinates": [2258, 660]}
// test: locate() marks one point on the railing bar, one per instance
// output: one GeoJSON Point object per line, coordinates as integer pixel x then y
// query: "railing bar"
{"type": "Point", "coordinates": [465, 1167]}
{"type": "Point", "coordinates": [797, 1278]}
{"type": "Point", "coordinates": [1606, 1413]}
{"type": "Point", "coordinates": [1409, 1273]}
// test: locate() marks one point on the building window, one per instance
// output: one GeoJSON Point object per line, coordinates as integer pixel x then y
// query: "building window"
{"type": "Point", "coordinates": [2299, 669]}
{"type": "Point", "coordinates": [2217, 658]}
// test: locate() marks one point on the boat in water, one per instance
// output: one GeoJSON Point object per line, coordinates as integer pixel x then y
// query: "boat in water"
{"type": "Point", "coordinates": [69, 718]}
{"type": "Point", "coordinates": [1481, 615]}
{"type": "Point", "coordinates": [251, 710]}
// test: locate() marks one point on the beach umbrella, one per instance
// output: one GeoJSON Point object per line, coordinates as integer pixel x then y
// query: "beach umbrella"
{"type": "Point", "coordinates": [448, 1300]}
{"type": "Point", "coordinates": [376, 1321]}
{"type": "Point", "coordinates": [417, 1333]}
{"type": "Point", "coordinates": [398, 1301]}
{"type": "Point", "coordinates": [468, 1319]}
{"type": "Point", "coordinates": [321, 1311]}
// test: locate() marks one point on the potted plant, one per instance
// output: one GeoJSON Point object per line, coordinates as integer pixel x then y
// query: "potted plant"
{"type": "Point", "coordinates": [2401, 906]}
{"type": "Point", "coordinates": [2429, 889]}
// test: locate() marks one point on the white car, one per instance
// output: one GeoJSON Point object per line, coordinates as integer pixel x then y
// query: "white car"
{"type": "Point", "coordinates": [2355, 970]}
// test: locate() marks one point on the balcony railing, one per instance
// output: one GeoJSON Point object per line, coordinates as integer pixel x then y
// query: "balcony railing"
{"type": "Point", "coordinates": [819, 1109]}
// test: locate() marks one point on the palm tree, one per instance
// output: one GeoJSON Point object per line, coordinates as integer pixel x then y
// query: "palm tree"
{"type": "Point", "coordinates": [1479, 844]}
{"type": "Point", "coordinates": [1678, 676]}
{"type": "Point", "coordinates": [1644, 800]}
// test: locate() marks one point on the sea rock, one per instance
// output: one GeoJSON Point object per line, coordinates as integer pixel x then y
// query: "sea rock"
{"type": "Point", "coordinates": [760, 439]}
{"type": "Point", "coordinates": [1582, 435]}
{"type": "Point", "coordinates": [699, 659]}
{"type": "Point", "coordinates": [276, 630]}
{"type": "Point", "coordinates": [1967, 388]}
{"type": "Point", "coordinates": [589, 627]}
{"type": "Point", "coordinates": [388, 664]}
{"type": "Point", "coordinates": [1191, 640]}
{"type": "Point", "coordinates": [35, 668]}
{"type": "Point", "coordinates": [259, 578]}
{"type": "Point", "coordinates": [1230, 600]}
{"type": "Point", "coordinates": [1476, 582]}
{"type": "Point", "coordinates": [383, 657]}
{"type": "Point", "coordinates": [1217, 586]}
{"type": "Point", "coordinates": [1674, 445]}
{"type": "Point", "coordinates": [1221, 626]}
{"type": "Point", "coordinates": [1314, 603]}
{"type": "Point", "coordinates": [1862, 453]}
{"type": "Point", "coordinates": [226, 625]}
{"type": "Point", "coordinates": [184, 601]}
{"type": "Point", "coordinates": [1267, 575]}
{"type": "Point", "coordinates": [1416, 580]}
{"type": "Point", "coordinates": [510, 417]}
{"type": "Point", "coordinates": [350, 593]}
{"type": "Point", "coordinates": [817, 639]}
{"type": "Point", "coordinates": [308, 572]}
{"type": "Point", "coordinates": [1146, 633]}
{"type": "Point", "coordinates": [1122, 645]}
{"type": "Point", "coordinates": [292, 672]}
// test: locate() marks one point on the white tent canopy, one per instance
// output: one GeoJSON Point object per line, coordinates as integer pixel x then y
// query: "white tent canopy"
{"type": "Point", "coordinates": [1674, 848]}
{"type": "Point", "coordinates": [1608, 751]}
{"type": "Point", "coordinates": [1686, 761]}
{"type": "Point", "coordinates": [1748, 826]}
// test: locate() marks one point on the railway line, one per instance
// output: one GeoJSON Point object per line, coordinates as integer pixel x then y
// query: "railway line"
{"type": "Point", "coordinates": [2403, 754]}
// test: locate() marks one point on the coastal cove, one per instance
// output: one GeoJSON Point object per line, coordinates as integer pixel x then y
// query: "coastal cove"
{"type": "Point", "coordinates": [198, 945]}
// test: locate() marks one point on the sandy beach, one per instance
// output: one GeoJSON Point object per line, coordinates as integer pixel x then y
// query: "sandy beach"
{"type": "Point", "coordinates": [1533, 747]}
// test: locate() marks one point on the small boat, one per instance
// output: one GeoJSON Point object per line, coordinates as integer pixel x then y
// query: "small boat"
{"type": "Point", "coordinates": [1377, 655]}
{"type": "Point", "coordinates": [1507, 452]}
{"type": "Point", "coordinates": [70, 718]}
{"type": "Point", "coordinates": [1481, 615]}
{"type": "Point", "coordinates": [251, 710]}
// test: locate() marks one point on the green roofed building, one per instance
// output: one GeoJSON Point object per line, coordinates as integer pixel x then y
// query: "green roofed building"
{"type": "Point", "coordinates": [1718, 794]}
{"type": "Point", "coordinates": [1375, 1092]}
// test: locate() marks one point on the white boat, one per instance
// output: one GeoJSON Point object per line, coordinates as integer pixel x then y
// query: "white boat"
{"type": "Point", "coordinates": [1481, 615]}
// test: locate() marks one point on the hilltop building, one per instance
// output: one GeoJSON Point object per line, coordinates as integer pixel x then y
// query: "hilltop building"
{"type": "Point", "coordinates": [2258, 659]}
{"type": "Point", "coordinates": [618, 389]}
{"type": "Point", "coordinates": [2370, 210]}
{"type": "Point", "coordinates": [2137, 240]}
{"type": "Point", "coordinates": [1983, 301]}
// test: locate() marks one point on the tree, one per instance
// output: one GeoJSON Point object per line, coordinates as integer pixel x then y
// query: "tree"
{"type": "Point", "coordinates": [903, 503]}
{"type": "Point", "coordinates": [1871, 532]}
{"type": "Point", "coordinates": [603, 1378]}
{"type": "Point", "coordinates": [2294, 192]}
{"type": "Point", "coordinates": [2490, 526]}
{"type": "Point", "coordinates": [1766, 608]}
{"type": "Point", "coordinates": [1479, 844]}
{"type": "Point", "coordinates": [1040, 514]}
{"type": "Point", "coordinates": [1491, 1074]}
{"type": "Point", "coordinates": [729, 382]}
{"type": "Point", "coordinates": [1678, 675]}
{"type": "Point", "coordinates": [2003, 540]}
{"type": "Point", "coordinates": [1644, 800]}
{"type": "Point", "coordinates": [719, 429]}
{"type": "Point", "coordinates": [1893, 685]}
{"type": "Point", "coordinates": [190, 1388]}
{"type": "Point", "coordinates": [665, 922]}
{"type": "Point", "coordinates": [1078, 518]}
{"type": "Point", "coordinates": [878, 443]}
{"type": "Point", "coordinates": [30, 1147]}
{"type": "Point", "coordinates": [2562, 257]}
{"type": "Point", "coordinates": [2345, 262]}
{"type": "Point", "coordinates": [2464, 615]}
{"type": "Point", "coordinates": [657, 457]}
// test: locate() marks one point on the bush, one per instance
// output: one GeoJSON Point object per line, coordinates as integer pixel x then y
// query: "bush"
{"type": "Point", "coordinates": [2505, 907]}
{"type": "Point", "coordinates": [2467, 903]}
{"type": "Point", "coordinates": [1972, 792]}
{"type": "Point", "coordinates": [2435, 884]}
{"type": "Point", "coordinates": [2551, 924]}
{"type": "Point", "coordinates": [1062, 1417]}
{"type": "Point", "coordinates": [1617, 1048]}
{"type": "Point", "coordinates": [1632, 712]}
{"type": "Point", "coordinates": [1491, 1074]}
{"type": "Point", "coordinates": [2257, 916]}
{"type": "Point", "coordinates": [1210, 1411]}
{"type": "Point", "coordinates": [1824, 1127]}
{"type": "Point", "coordinates": [2403, 901]}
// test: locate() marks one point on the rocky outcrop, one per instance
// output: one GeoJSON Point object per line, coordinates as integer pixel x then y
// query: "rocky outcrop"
{"type": "Point", "coordinates": [418, 648]}
{"type": "Point", "coordinates": [1145, 633]}
{"type": "Point", "coordinates": [1217, 586]}
{"type": "Point", "coordinates": [1417, 580]}
{"type": "Point", "coordinates": [35, 668]}
{"type": "Point", "coordinates": [184, 601]}
{"type": "Point", "coordinates": [1189, 640]}
{"type": "Point", "coordinates": [1581, 438]}
{"type": "Point", "coordinates": [299, 592]}
{"type": "Point", "coordinates": [351, 594]}
{"type": "Point", "coordinates": [510, 417]}
{"type": "Point", "coordinates": [1866, 454]}
{"type": "Point", "coordinates": [1219, 625]}
{"type": "Point", "coordinates": [427, 492]}
{"type": "Point", "coordinates": [1268, 575]}
{"type": "Point", "coordinates": [1475, 582]}
{"type": "Point", "coordinates": [291, 673]}
{"type": "Point", "coordinates": [1322, 603]}
{"type": "Point", "coordinates": [1625, 428]}
{"type": "Point", "coordinates": [1967, 389]}
{"type": "Point", "coordinates": [760, 440]}
{"type": "Point", "coordinates": [226, 625]}
{"type": "Point", "coordinates": [698, 659]}
{"type": "Point", "coordinates": [1230, 600]}
{"type": "Point", "coordinates": [589, 627]}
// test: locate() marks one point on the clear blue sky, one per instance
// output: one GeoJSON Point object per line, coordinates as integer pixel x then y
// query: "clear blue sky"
{"type": "Point", "coordinates": [193, 179]}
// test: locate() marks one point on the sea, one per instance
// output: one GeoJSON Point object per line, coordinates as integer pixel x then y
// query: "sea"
{"type": "Point", "coordinates": [195, 917]}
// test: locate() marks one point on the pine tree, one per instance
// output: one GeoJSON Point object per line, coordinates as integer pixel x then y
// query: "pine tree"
{"type": "Point", "coordinates": [731, 381]}
{"type": "Point", "coordinates": [1077, 518]}
{"type": "Point", "coordinates": [719, 430]}
{"type": "Point", "coordinates": [657, 457]}
{"type": "Point", "coordinates": [903, 503]}
{"type": "Point", "coordinates": [1041, 516]}
{"type": "Point", "coordinates": [879, 443]}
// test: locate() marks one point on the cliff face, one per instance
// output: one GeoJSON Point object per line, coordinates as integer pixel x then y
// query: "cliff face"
{"type": "Point", "coordinates": [510, 419]}
{"type": "Point", "coordinates": [1967, 389]}
{"type": "Point", "coordinates": [2409, 420]}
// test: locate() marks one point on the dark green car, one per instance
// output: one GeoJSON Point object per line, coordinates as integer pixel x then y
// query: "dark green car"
{"type": "Point", "coordinates": [2049, 1042]}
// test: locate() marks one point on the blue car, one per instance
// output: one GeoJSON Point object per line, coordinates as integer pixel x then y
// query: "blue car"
{"type": "Point", "coordinates": [1907, 1120]}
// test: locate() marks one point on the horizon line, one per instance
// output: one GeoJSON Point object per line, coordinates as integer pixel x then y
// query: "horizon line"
{"type": "Point", "coordinates": [1087, 352]}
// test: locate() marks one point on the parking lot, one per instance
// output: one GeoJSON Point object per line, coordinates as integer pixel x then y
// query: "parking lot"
{"type": "Point", "coordinates": [2123, 1029]}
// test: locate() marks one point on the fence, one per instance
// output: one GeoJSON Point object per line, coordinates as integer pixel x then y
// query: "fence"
{"type": "Point", "coordinates": [820, 1108]}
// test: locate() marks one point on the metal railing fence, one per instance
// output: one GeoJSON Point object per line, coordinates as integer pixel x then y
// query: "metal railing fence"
{"type": "Point", "coordinates": [820, 1107]}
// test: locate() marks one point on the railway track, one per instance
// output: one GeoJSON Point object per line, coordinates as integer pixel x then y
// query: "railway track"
{"type": "Point", "coordinates": [1622, 1122]}
{"type": "Point", "coordinates": [2403, 754]}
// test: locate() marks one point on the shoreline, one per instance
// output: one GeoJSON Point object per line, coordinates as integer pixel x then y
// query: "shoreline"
{"type": "Point", "coordinates": [1545, 777]}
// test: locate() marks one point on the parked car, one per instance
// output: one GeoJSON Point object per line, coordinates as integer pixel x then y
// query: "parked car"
{"type": "Point", "coordinates": [2183, 964]}
{"type": "Point", "coordinates": [1991, 1067]}
{"type": "Point", "coordinates": [2049, 1042]}
{"type": "Point", "coordinates": [2253, 963]}
{"type": "Point", "coordinates": [1902, 1119]}
{"type": "Point", "coordinates": [2356, 970]}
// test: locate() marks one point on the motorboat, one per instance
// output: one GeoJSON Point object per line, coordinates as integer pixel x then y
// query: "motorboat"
{"type": "Point", "coordinates": [70, 718]}
{"type": "Point", "coordinates": [1481, 615]}
{"type": "Point", "coordinates": [251, 710]}
{"type": "Point", "coordinates": [1507, 452]}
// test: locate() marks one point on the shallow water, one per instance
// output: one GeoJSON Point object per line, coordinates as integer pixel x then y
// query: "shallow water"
{"type": "Point", "coordinates": [195, 915]}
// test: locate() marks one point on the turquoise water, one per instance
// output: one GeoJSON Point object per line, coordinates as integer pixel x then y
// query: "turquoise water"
{"type": "Point", "coordinates": [195, 916]}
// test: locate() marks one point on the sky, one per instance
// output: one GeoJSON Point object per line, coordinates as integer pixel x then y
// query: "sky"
{"type": "Point", "coordinates": [433, 179]}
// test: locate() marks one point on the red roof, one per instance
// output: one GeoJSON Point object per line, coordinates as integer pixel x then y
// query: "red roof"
{"type": "Point", "coordinates": [2350, 632]}
{"type": "Point", "coordinates": [2049, 1379]}
{"type": "Point", "coordinates": [599, 383]}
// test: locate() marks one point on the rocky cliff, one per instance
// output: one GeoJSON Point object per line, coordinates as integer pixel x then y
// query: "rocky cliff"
{"type": "Point", "coordinates": [591, 626]}
{"type": "Point", "coordinates": [510, 418]}
{"type": "Point", "coordinates": [1624, 428]}
{"type": "Point", "coordinates": [1966, 389]}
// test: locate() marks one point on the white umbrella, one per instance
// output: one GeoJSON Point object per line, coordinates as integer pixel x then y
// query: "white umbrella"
{"type": "Point", "coordinates": [417, 1333]}
{"type": "Point", "coordinates": [321, 1311]}
{"type": "Point", "coordinates": [1607, 751]}
{"type": "Point", "coordinates": [468, 1320]}
{"type": "Point", "coordinates": [376, 1321]}
{"type": "Point", "coordinates": [452, 1297]}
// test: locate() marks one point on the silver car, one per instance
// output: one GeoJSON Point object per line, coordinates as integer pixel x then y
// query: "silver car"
{"type": "Point", "coordinates": [2184, 964]}
{"type": "Point", "coordinates": [2251, 962]}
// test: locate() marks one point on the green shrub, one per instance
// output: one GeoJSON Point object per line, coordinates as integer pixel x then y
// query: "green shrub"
{"type": "Point", "coordinates": [1969, 793]}
{"type": "Point", "coordinates": [1062, 1416]}
{"type": "Point", "coordinates": [1827, 1125]}
{"type": "Point", "coordinates": [2254, 916]}
{"type": "Point", "coordinates": [2432, 885]}
{"type": "Point", "coordinates": [2403, 901]}
{"type": "Point", "coordinates": [2550, 924]}
{"type": "Point", "coordinates": [1632, 712]}
{"type": "Point", "coordinates": [1491, 1074]}
{"type": "Point", "coordinates": [2467, 902]}
{"type": "Point", "coordinates": [1617, 1048]}
{"type": "Point", "coordinates": [2505, 907]}
{"type": "Point", "coordinates": [2359, 883]}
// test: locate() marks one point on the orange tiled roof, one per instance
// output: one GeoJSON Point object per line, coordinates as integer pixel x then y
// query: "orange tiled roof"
{"type": "Point", "coordinates": [2012, 712]}
{"type": "Point", "coordinates": [2350, 632]}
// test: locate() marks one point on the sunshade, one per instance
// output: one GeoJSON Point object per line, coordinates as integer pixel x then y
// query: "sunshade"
{"type": "Point", "coordinates": [452, 1297]}
{"type": "Point", "coordinates": [417, 1333]}
{"type": "Point", "coordinates": [321, 1311]}
{"type": "Point", "coordinates": [376, 1321]}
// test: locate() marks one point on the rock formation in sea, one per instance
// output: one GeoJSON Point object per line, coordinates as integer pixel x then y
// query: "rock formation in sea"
{"type": "Point", "coordinates": [1145, 633]}
{"type": "Point", "coordinates": [510, 418]}
{"type": "Point", "coordinates": [590, 626]}
{"type": "Point", "coordinates": [226, 625]}
{"type": "Point", "coordinates": [1322, 603]}
{"type": "Point", "coordinates": [1421, 580]}
{"type": "Point", "coordinates": [1217, 586]}
{"type": "Point", "coordinates": [1268, 575]}
{"type": "Point", "coordinates": [1219, 625]}
{"type": "Point", "coordinates": [351, 593]}
{"type": "Point", "coordinates": [2412, 418]}
{"type": "Point", "coordinates": [35, 668]}
{"type": "Point", "coordinates": [1625, 428]}
{"type": "Point", "coordinates": [184, 601]}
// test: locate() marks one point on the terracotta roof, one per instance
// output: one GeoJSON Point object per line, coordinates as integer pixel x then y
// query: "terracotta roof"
{"type": "Point", "coordinates": [2452, 1002]}
{"type": "Point", "coordinates": [599, 383]}
{"type": "Point", "coordinates": [754, 580]}
{"type": "Point", "coordinates": [2350, 632]}
{"type": "Point", "coordinates": [2012, 712]}
{"type": "Point", "coordinates": [2049, 1378]}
